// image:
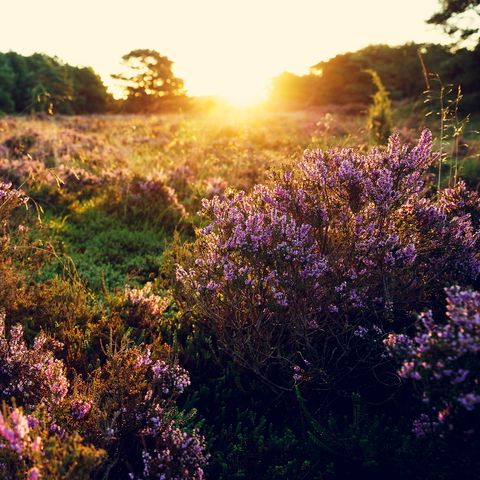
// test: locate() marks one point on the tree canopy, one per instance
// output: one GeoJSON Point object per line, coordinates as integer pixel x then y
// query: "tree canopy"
{"type": "Point", "coordinates": [39, 83]}
{"type": "Point", "coordinates": [343, 79]}
{"type": "Point", "coordinates": [459, 18]}
{"type": "Point", "coordinates": [149, 81]}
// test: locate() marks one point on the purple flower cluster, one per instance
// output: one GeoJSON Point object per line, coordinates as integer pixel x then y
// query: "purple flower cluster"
{"type": "Point", "coordinates": [141, 402]}
{"type": "Point", "coordinates": [170, 378]}
{"type": "Point", "coordinates": [299, 261]}
{"type": "Point", "coordinates": [31, 375]}
{"type": "Point", "coordinates": [80, 409]}
{"type": "Point", "coordinates": [33, 451]}
{"type": "Point", "coordinates": [10, 198]}
{"type": "Point", "coordinates": [15, 432]}
{"type": "Point", "coordinates": [19, 437]}
{"type": "Point", "coordinates": [443, 358]}
{"type": "Point", "coordinates": [176, 453]}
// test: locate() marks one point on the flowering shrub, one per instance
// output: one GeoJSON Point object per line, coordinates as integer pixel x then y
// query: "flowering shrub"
{"type": "Point", "coordinates": [297, 272]}
{"type": "Point", "coordinates": [443, 359]}
{"type": "Point", "coordinates": [151, 195]}
{"type": "Point", "coordinates": [175, 453]}
{"type": "Point", "coordinates": [10, 198]}
{"type": "Point", "coordinates": [31, 450]}
{"type": "Point", "coordinates": [80, 409]}
{"type": "Point", "coordinates": [132, 414]}
{"type": "Point", "coordinates": [32, 375]}
{"type": "Point", "coordinates": [142, 308]}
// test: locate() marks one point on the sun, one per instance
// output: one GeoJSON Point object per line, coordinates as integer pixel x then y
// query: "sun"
{"type": "Point", "coordinates": [246, 97]}
{"type": "Point", "coordinates": [237, 87]}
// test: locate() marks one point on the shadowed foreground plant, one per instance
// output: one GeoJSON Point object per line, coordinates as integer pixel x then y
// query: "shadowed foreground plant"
{"type": "Point", "coordinates": [131, 412]}
{"type": "Point", "coordinates": [442, 360]}
{"type": "Point", "coordinates": [30, 449]}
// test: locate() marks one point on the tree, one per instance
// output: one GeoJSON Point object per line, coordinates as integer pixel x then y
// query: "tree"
{"type": "Point", "coordinates": [7, 82]}
{"type": "Point", "coordinates": [149, 81]}
{"type": "Point", "coordinates": [89, 92]}
{"type": "Point", "coordinates": [459, 18]}
{"type": "Point", "coordinates": [46, 84]}
{"type": "Point", "coordinates": [52, 89]}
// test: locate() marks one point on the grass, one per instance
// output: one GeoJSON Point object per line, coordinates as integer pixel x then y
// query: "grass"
{"type": "Point", "coordinates": [106, 251]}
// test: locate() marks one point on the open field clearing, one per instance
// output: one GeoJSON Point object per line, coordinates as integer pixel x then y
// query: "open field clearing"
{"type": "Point", "coordinates": [111, 259]}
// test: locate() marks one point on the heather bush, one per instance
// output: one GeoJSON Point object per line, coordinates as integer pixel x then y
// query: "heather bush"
{"type": "Point", "coordinates": [142, 308]}
{"type": "Point", "coordinates": [442, 360]}
{"type": "Point", "coordinates": [127, 407]}
{"type": "Point", "coordinates": [30, 449]}
{"type": "Point", "coordinates": [147, 200]}
{"type": "Point", "coordinates": [33, 375]}
{"type": "Point", "coordinates": [298, 279]}
{"type": "Point", "coordinates": [133, 416]}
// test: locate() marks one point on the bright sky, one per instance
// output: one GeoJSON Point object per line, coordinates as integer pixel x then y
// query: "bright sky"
{"type": "Point", "coordinates": [228, 48]}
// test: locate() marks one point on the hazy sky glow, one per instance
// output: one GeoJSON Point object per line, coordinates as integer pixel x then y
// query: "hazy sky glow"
{"type": "Point", "coordinates": [230, 48]}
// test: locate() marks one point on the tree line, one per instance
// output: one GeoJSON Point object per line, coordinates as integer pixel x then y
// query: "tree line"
{"type": "Point", "coordinates": [40, 83]}
{"type": "Point", "coordinates": [406, 71]}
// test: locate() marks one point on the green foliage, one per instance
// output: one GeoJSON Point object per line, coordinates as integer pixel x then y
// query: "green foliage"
{"type": "Point", "coordinates": [39, 83]}
{"type": "Point", "coordinates": [108, 251]}
{"type": "Point", "coordinates": [7, 79]}
{"type": "Point", "coordinates": [343, 80]}
{"type": "Point", "coordinates": [379, 122]}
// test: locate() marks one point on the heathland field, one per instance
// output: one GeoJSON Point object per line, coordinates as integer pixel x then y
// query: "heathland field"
{"type": "Point", "coordinates": [239, 294]}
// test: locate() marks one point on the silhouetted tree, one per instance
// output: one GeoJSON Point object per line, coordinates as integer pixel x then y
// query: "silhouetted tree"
{"type": "Point", "coordinates": [149, 81]}
{"type": "Point", "coordinates": [459, 18]}
{"type": "Point", "coordinates": [289, 91]}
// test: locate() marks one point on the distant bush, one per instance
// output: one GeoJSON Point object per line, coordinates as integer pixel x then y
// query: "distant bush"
{"type": "Point", "coordinates": [379, 122]}
{"type": "Point", "coordinates": [143, 198]}
{"type": "Point", "coordinates": [298, 280]}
